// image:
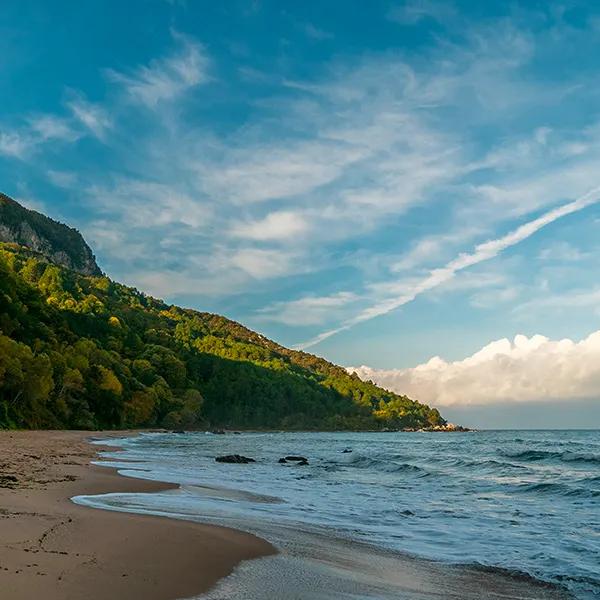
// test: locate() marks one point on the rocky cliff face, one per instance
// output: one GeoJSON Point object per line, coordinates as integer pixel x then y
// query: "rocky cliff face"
{"type": "Point", "coordinates": [59, 243]}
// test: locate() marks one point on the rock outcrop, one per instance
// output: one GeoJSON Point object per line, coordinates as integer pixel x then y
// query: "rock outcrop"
{"type": "Point", "coordinates": [58, 243]}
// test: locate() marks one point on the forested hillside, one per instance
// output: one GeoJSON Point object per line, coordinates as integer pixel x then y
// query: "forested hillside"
{"type": "Point", "coordinates": [86, 352]}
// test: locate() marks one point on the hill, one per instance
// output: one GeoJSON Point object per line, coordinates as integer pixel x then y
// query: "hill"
{"type": "Point", "coordinates": [82, 351]}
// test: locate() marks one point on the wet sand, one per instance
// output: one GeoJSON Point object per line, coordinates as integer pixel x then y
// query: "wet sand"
{"type": "Point", "coordinates": [53, 549]}
{"type": "Point", "coordinates": [313, 565]}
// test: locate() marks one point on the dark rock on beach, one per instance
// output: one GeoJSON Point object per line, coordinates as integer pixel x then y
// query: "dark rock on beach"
{"type": "Point", "coordinates": [234, 458]}
{"type": "Point", "coordinates": [8, 481]}
{"type": "Point", "coordinates": [296, 458]}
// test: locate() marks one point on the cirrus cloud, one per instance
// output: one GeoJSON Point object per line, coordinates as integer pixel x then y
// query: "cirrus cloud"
{"type": "Point", "coordinates": [280, 225]}
{"type": "Point", "coordinates": [166, 78]}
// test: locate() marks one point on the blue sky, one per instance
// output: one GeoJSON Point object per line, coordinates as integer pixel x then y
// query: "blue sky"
{"type": "Point", "coordinates": [378, 182]}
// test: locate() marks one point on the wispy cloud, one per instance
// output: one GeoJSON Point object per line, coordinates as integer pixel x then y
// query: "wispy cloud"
{"type": "Point", "coordinates": [432, 247]}
{"type": "Point", "coordinates": [166, 78]}
{"type": "Point", "coordinates": [279, 225]}
{"type": "Point", "coordinates": [493, 298]}
{"type": "Point", "coordinates": [39, 129]}
{"type": "Point", "coordinates": [562, 301]}
{"type": "Point", "coordinates": [92, 116]}
{"type": "Point", "coordinates": [563, 252]}
{"type": "Point", "coordinates": [140, 203]}
{"type": "Point", "coordinates": [413, 11]}
{"type": "Point", "coordinates": [310, 310]}
{"type": "Point", "coordinates": [51, 127]}
{"type": "Point", "coordinates": [62, 179]}
{"type": "Point", "coordinates": [481, 253]}
{"type": "Point", "coordinates": [274, 171]}
{"type": "Point", "coordinates": [14, 144]}
{"type": "Point", "coordinates": [261, 263]}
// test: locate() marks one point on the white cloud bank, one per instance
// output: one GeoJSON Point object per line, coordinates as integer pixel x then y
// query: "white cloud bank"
{"type": "Point", "coordinates": [526, 370]}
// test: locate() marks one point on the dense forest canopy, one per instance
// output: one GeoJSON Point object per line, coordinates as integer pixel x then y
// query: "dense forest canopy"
{"type": "Point", "coordinates": [86, 352]}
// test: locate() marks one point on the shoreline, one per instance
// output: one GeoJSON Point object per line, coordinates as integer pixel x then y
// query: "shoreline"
{"type": "Point", "coordinates": [317, 562]}
{"type": "Point", "coordinates": [55, 549]}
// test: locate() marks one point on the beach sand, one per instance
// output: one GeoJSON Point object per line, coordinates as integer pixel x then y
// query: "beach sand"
{"type": "Point", "coordinates": [53, 549]}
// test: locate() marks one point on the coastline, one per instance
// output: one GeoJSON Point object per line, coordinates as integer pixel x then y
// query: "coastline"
{"type": "Point", "coordinates": [54, 549]}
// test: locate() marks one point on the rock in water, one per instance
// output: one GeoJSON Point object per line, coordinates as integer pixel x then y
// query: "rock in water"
{"type": "Point", "coordinates": [299, 460]}
{"type": "Point", "coordinates": [234, 458]}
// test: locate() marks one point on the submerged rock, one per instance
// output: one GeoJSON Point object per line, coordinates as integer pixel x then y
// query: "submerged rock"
{"type": "Point", "coordinates": [234, 458]}
{"type": "Point", "coordinates": [299, 460]}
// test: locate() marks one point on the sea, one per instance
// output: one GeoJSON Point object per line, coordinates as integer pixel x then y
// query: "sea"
{"type": "Point", "coordinates": [485, 514]}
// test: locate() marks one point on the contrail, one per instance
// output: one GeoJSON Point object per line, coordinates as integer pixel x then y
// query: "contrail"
{"type": "Point", "coordinates": [481, 253]}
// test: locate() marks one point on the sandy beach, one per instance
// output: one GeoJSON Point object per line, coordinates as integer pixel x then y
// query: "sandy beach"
{"type": "Point", "coordinates": [53, 549]}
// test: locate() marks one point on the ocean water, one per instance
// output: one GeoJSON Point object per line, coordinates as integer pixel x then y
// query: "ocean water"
{"type": "Point", "coordinates": [524, 501]}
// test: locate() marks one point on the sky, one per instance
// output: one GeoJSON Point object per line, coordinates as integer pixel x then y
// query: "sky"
{"type": "Point", "coordinates": [408, 188]}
